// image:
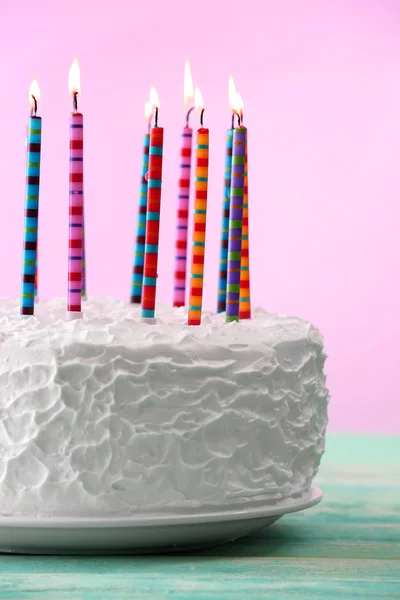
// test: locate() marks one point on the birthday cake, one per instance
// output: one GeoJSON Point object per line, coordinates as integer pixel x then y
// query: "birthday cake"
{"type": "Point", "coordinates": [108, 415]}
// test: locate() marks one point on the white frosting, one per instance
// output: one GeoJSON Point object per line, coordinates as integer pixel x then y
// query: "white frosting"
{"type": "Point", "coordinates": [111, 416]}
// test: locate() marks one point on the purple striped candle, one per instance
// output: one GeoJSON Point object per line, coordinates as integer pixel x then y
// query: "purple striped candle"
{"type": "Point", "coordinates": [235, 224]}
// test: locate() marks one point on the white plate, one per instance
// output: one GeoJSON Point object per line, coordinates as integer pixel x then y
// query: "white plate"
{"type": "Point", "coordinates": [144, 534]}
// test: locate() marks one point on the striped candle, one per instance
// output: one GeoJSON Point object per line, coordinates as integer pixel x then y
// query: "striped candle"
{"type": "Point", "coordinates": [152, 223]}
{"type": "Point", "coordinates": [29, 260]}
{"type": "Point", "coordinates": [138, 257]}
{"type": "Point", "coordinates": [83, 293]}
{"type": "Point", "coordinates": [75, 216]}
{"type": "Point", "coordinates": [244, 299]}
{"type": "Point", "coordinates": [37, 271]}
{"type": "Point", "coordinates": [235, 224]}
{"type": "Point", "coordinates": [199, 228]}
{"type": "Point", "coordinates": [223, 257]}
{"type": "Point", "coordinates": [182, 218]}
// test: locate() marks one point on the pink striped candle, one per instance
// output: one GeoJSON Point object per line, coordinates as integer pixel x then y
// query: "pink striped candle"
{"type": "Point", "coordinates": [182, 213]}
{"type": "Point", "coordinates": [182, 217]}
{"type": "Point", "coordinates": [75, 243]}
{"type": "Point", "coordinates": [75, 215]}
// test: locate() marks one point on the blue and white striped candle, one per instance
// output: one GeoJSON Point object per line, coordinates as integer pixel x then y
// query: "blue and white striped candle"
{"type": "Point", "coordinates": [29, 259]}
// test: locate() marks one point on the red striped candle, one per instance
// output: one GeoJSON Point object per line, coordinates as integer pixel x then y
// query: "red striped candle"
{"type": "Point", "coordinates": [244, 298]}
{"type": "Point", "coordinates": [152, 217]}
{"type": "Point", "coordinates": [75, 243]}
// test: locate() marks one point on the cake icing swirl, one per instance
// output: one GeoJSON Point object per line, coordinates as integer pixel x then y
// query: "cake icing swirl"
{"type": "Point", "coordinates": [111, 416]}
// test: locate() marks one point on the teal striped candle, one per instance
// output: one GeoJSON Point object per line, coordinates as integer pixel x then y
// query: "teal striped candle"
{"type": "Point", "coordinates": [138, 257]}
{"type": "Point", "coordinates": [29, 259]}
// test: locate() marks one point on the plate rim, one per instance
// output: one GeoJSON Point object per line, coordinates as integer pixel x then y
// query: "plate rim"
{"type": "Point", "coordinates": [157, 520]}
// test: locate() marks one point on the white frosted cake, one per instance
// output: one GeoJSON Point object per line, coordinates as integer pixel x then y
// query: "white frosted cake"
{"type": "Point", "coordinates": [111, 416]}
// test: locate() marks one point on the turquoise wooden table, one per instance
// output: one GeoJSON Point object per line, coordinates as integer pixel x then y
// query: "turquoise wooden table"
{"type": "Point", "coordinates": [346, 547]}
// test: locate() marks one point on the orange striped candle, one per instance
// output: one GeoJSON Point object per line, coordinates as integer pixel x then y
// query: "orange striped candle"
{"type": "Point", "coordinates": [199, 220]}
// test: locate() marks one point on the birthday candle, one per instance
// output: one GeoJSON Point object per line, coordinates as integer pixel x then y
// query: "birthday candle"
{"type": "Point", "coordinates": [182, 218]}
{"type": "Point", "coordinates": [244, 299]}
{"type": "Point", "coordinates": [75, 244]}
{"type": "Point", "coordinates": [223, 257]}
{"type": "Point", "coordinates": [153, 215]}
{"type": "Point", "coordinates": [138, 258]}
{"type": "Point", "coordinates": [235, 224]}
{"type": "Point", "coordinates": [199, 220]}
{"type": "Point", "coordinates": [29, 260]}
{"type": "Point", "coordinates": [182, 215]}
{"type": "Point", "coordinates": [83, 293]}
{"type": "Point", "coordinates": [37, 272]}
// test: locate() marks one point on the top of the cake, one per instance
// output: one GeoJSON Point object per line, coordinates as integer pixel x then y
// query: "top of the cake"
{"type": "Point", "coordinates": [109, 322]}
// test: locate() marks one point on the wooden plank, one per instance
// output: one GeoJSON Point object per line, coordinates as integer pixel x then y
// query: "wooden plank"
{"type": "Point", "coordinates": [211, 579]}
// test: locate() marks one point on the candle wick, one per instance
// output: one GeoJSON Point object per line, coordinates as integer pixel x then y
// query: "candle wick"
{"type": "Point", "coordinates": [34, 107]}
{"type": "Point", "coordinates": [149, 125]}
{"type": "Point", "coordinates": [201, 117]}
{"type": "Point", "coordinates": [233, 119]}
{"type": "Point", "coordinates": [75, 101]}
{"type": "Point", "coordinates": [156, 117]}
{"type": "Point", "coordinates": [188, 116]}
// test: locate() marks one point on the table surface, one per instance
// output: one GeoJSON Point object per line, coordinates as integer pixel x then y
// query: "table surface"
{"type": "Point", "coordinates": [346, 547]}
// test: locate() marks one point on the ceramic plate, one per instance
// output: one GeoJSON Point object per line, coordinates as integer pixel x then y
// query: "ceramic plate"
{"type": "Point", "coordinates": [137, 535]}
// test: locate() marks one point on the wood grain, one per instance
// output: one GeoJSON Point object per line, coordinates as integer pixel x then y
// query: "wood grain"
{"type": "Point", "coordinates": [347, 547]}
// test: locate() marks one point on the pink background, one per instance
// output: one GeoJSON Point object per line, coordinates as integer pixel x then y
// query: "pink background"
{"type": "Point", "coordinates": [321, 86]}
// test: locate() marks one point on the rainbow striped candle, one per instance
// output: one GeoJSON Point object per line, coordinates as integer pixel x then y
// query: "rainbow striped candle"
{"type": "Point", "coordinates": [223, 257]}
{"type": "Point", "coordinates": [29, 260]}
{"type": "Point", "coordinates": [152, 223]}
{"type": "Point", "coordinates": [244, 299]}
{"type": "Point", "coordinates": [182, 218]}
{"type": "Point", "coordinates": [199, 228]}
{"type": "Point", "coordinates": [235, 224]}
{"type": "Point", "coordinates": [75, 244]}
{"type": "Point", "coordinates": [138, 258]}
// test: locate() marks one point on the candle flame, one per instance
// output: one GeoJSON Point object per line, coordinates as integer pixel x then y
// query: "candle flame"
{"type": "Point", "coordinates": [187, 85]}
{"type": "Point", "coordinates": [239, 106]}
{"type": "Point", "coordinates": [74, 78]}
{"type": "Point", "coordinates": [154, 99]}
{"type": "Point", "coordinates": [34, 90]}
{"type": "Point", "coordinates": [232, 93]}
{"type": "Point", "coordinates": [148, 110]}
{"type": "Point", "coordinates": [198, 100]}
